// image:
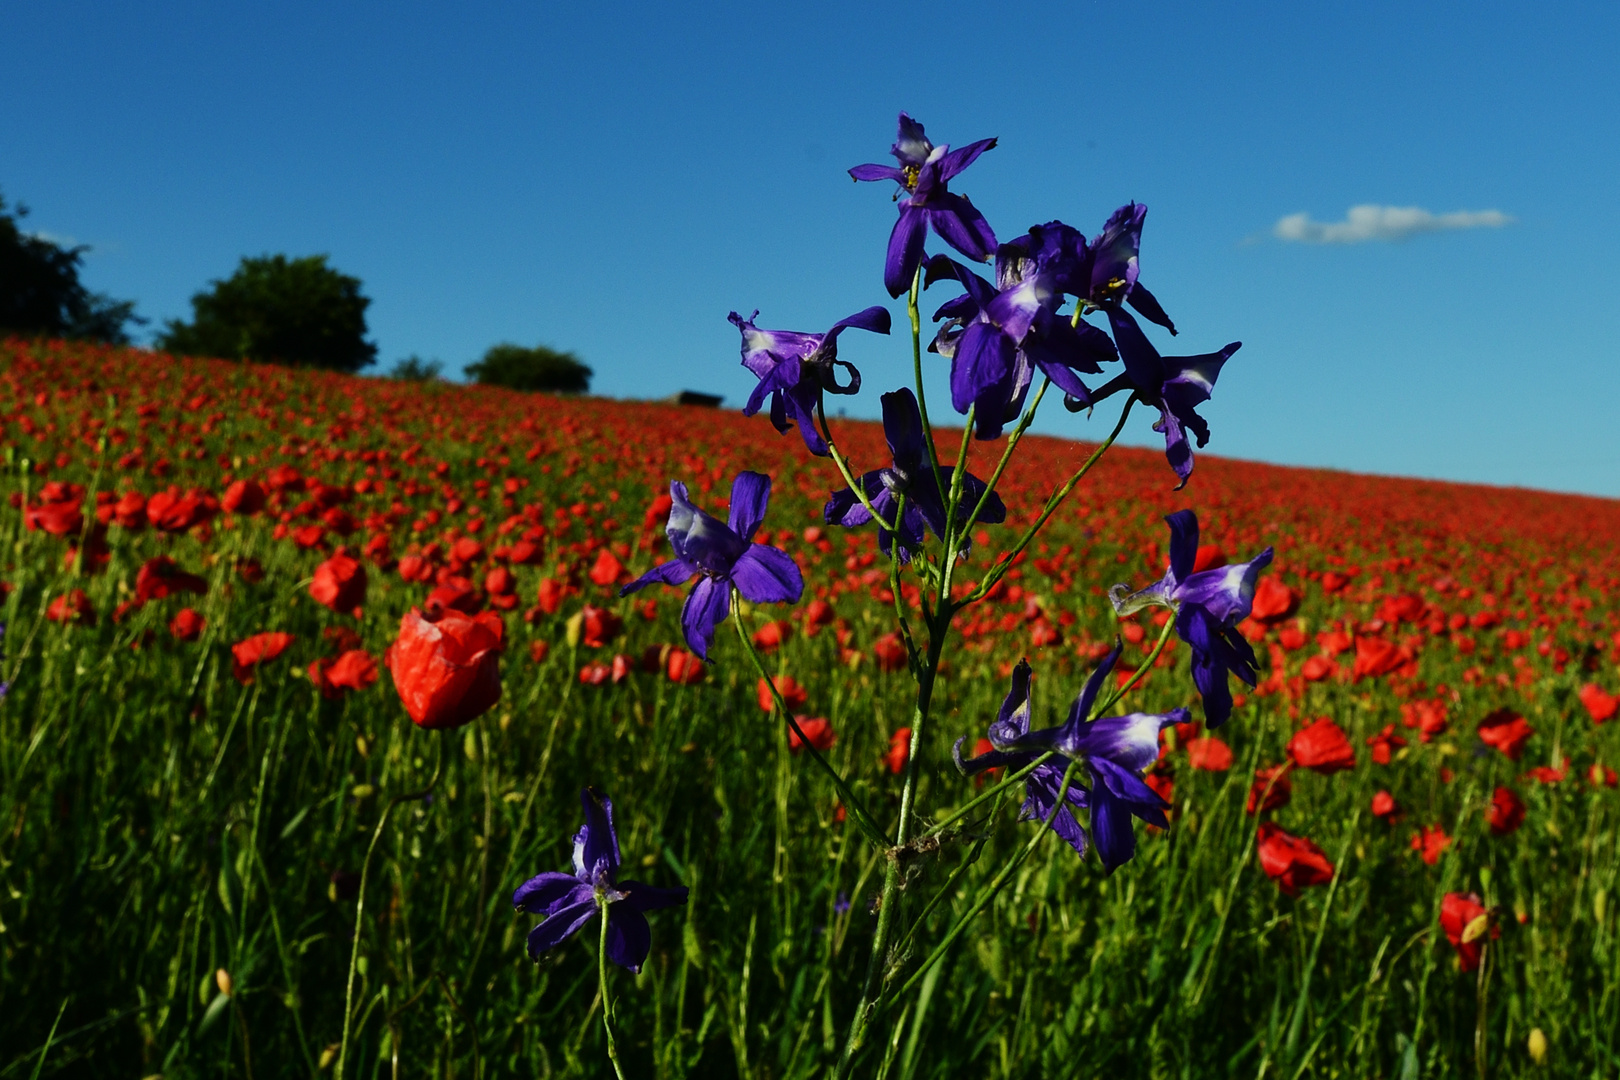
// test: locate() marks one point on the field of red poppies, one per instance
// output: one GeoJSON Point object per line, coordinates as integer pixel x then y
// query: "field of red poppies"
{"type": "Point", "coordinates": [229, 591]}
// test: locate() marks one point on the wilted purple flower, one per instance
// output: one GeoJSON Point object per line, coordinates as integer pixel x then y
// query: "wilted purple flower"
{"type": "Point", "coordinates": [1208, 607]}
{"type": "Point", "coordinates": [997, 335]}
{"type": "Point", "coordinates": [911, 475]}
{"type": "Point", "coordinates": [569, 901]}
{"type": "Point", "coordinates": [1113, 266]}
{"type": "Point", "coordinates": [725, 557]}
{"type": "Point", "coordinates": [924, 172]}
{"type": "Point", "coordinates": [1175, 385]}
{"type": "Point", "coordinates": [796, 369]}
{"type": "Point", "coordinates": [1113, 751]}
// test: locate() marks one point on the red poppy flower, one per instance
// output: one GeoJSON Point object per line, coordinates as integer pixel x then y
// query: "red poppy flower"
{"type": "Point", "coordinates": [173, 511]}
{"type": "Point", "coordinates": [1430, 841]}
{"type": "Point", "coordinates": [1602, 776]}
{"type": "Point", "coordinates": [57, 519]}
{"type": "Point", "coordinates": [1042, 633]}
{"type": "Point", "coordinates": [598, 626]}
{"type": "Point", "coordinates": [186, 625]}
{"type": "Point", "coordinates": [1506, 812]}
{"type": "Point", "coordinates": [1459, 911]}
{"type": "Point", "coordinates": [130, 511]}
{"type": "Point", "coordinates": [1293, 862]}
{"type": "Point", "coordinates": [1209, 754]}
{"type": "Point", "coordinates": [770, 637]}
{"type": "Point", "coordinates": [595, 673]}
{"type": "Point", "coordinates": [1273, 602]}
{"type": "Point", "coordinates": [1322, 747]}
{"type": "Point", "coordinates": [539, 650]}
{"type": "Point", "coordinates": [159, 578]}
{"type": "Point", "coordinates": [1383, 743]}
{"type": "Point", "coordinates": [550, 595]}
{"type": "Point", "coordinates": [890, 652]}
{"type": "Point", "coordinates": [340, 584]}
{"type": "Point", "coordinates": [607, 569]}
{"type": "Point", "coordinates": [817, 614]}
{"type": "Point", "coordinates": [1291, 638]}
{"type": "Point", "coordinates": [816, 730]}
{"type": "Point", "coordinates": [243, 497]}
{"type": "Point", "coordinates": [1161, 784]}
{"type": "Point", "coordinates": [453, 594]}
{"type": "Point", "coordinates": [899, 751]}
{"type": "Point", "coordinates": [1384, 806]}
{"type": "Point", "coordinates": [621, 668]}
{"type": "Point", "coordinates": [683, 668]}
{"type": "Point", "coordinates": [447, 672]}
{"type": "Point", "coordinates": [1546, 774]}
{"type": "Point", "coordinates": [793, 695]}
{"type": "Point", "coordinates": [73, 606]}
{"type": "Point", "coordinates": [1272, 789]}
{"type": "Point", "coordinates": [1375, 656]}
{"type": "Point", "coordinates": [258, 649]}
{"type": "Point", "coordinates": [1316, 669]}
{"type": "Point", "coordinates": [499, 581]}
{"type": "Point", "coordinates": [1601, 706]}
{"type": "Point", "coordinates": [466, 550]}
{"type": "Point", "coordinates": [353, 670]}
{"type": "Point", "coordinates": [1507, 731]}
{"type": "Point", "coordinates": [415, 568]}
{"type": "Point", "coordinates": [1429, 717]}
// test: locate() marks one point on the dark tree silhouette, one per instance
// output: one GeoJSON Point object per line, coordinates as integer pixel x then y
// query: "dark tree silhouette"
{"type": "Point", "coordinates": [539, 368]}
{"type": "Point", "coordinates": [40, 291]}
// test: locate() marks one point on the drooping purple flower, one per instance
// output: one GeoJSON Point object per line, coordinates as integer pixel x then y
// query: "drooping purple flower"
{"type": "Point", "coordinates": [1114, 266]}
{"type": "Point", "coordinates": [924, 173]}
{"type": "Point", "coordinates": [724, 557]}
{"type": "Point", "coordinates": [1208, 607]}
{"type": "Point", "coordinates": [996, 336]}
{"type": "Point", "coordinates": [911, 475]}
{"type": "Point", "coordinates": [796, 369]}
{"type": "Point", "coordinates": [1175, 385]}
{"type": "Point", "coordinates": [1041, 786]}
{"type": "Point", "coordinates": [569, 901]}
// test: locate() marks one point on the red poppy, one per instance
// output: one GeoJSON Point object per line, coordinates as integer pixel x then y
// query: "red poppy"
{"type": "Point", "coordinates": [1602, 776]}
{"type": "Point", "coordinates": [1431, 841]}
{"type": "Point", "coordinates": [447, 672]}
{"type": "Point", "coordinates": [550, 595]}
{"type": "Point", "coordinates": [1042, 633]}
{"type": "Point", "coordinates": [817, 614]}
{"type": "Point", "coordinates": [173, 511]}
{"type": "Point", "coordinates": [598, 626]}
{"type": "Point", "coordinates": [340, 584]}
{"type": "Point", "coordinates": [130, 511]}
{"type": "Point", "coordinates": [1322, 747]}
{"type": "Point", "coordinates": [187, 625]}
{"type": "Point", "coordinates": [1375, 656]}
{"type": "Point", "coordinates": [499, 581]}
{"type": "Point", "coordinates": [683, 668]}
{"type": "Point", "coordinates": [621, 668]}
{"type": "Point", "coordinates": [1601, 706]}
{"type": "Point", "coordinates": [595, 673]}
{"type": "Point", "coordinates": [353, 670]}
{"type": "Point", "coordinates": [466, 550]}
{"type": "Point", "coordinates": [1459, 911]}
{"type": "Point", "coordinates": [1382, 744]}
{"type": "Point", "coordinates": [57, 519]}
{"type": "Point", "coordinates": [607, 569]}
{"type": "Point", "coordinates": [816, 729]}
{"type": "Point", "coordinates": [1429, 717]}
{"type": "Point", "coordinates": [1274, 602]}
{"type": "Point", "coordinates": [890, 652]}
{"type": "Point", "coordinates": [770, 637]}
{"type": "Point", "coordinates": [1506, 811]}
{"type": "Point", "coordinates": [1291, 638]}
{"type": "Point", "coordinates": [415, 568]}
{"type": "Point", "coordinates": [243, 497]}
{"type": "Point", "coordinates": [1507, 731]}
{"type": "Point", "coordinates": [1161, 784]}
{"type": "Point", "coordinates": [1209, 754]}
{"type": "Point", "coordinates": [1546, 774]}
{"type": "Point", "coordinates": [1293, 862]}
{"type": "Point", "coordinates": [793, 695]}
{"type": "Point", "coordinates": [1384, 806]}
{"type": "Point", "coordinates": [73, 606]}
{"type": "Point", "coordinates": [159, 578]}
{"type": "Point", "coordinates": [899, 751]}
{"type": "Point", "coordinates": [1316, 669]}
{"type": "Point", "coordinates": [453, 594]}
{"type": "Point", "coordinates": [1271, 790]}
{"type": "Point", "coordinates": [258, 649]}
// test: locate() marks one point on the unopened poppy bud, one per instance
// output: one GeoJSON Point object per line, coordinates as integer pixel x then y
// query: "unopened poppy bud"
{"type": "Point", "coordinates": [363, 746]}
{"type": "Point", "coordinates": [222, 979]}
{"type": "Point", "coordinates": [1476, 927]}
{"type": "Point", "coordinates": [328, 1056]}
{"type": "Point", "coordinates": [469, 745]}
{"type": "Point", "coordinates": [572, 629]}
{"type": "Point", "coordinates": [1537, 1045]}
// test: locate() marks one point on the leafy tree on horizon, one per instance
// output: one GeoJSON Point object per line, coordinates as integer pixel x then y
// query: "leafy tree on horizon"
{"type": "Point", "coordinates": [415, 369]}
{"type": "Point", "coordinates": [40, 291]}
{"type": "Point", "coordinates": [539, 368]}
{"type": "Point", "coordinates": [300, 312]}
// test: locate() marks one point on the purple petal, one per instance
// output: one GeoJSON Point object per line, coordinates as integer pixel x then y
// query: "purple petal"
{"type": "Point", "coordinates": [1142, 360]}
{"type": "Point", "coordinates": [878, 172]}
{"type": "Point", "coordinates": [1081, 712]}
{"type": "Point", "coordinates": [560, 926]}
{"type": "Point", "coordinates": [596, 845]}
{"type": "Point", "coordinates": [905, 248]}
{"type": "Point", "coordinates": [1115, 253]}
{"type": "Point", "coordinates": [705, 609]}
{"type": "Point", "coordinates": [958, 222]}
{"type": "Point", "coordinates": [984, 360]}
{"type": "Point", "coordinates": [1131, 742]}
{"type": "Point", "coordinates": [768, 575]}
{"type": "Point", "coordinates": [1147, 305]}
{"type": "Point", "coordinates": [1226, 592]}
{"type": "Point", "coordinates": [750, 496]}
{"type": "Point", "coordinates": [990, 759]}
{"type": "Point", "coordinates": [628, 937]}
{"type": "Point", "coordinates": [902, 427]}
{"type": "Point", "coordinates": [845, 507]}
{"type": "Point", "coordinates": [1012, 722]}
{"type": "Point", "coordinates": [674, 572]}
{"type": "Point", "coordinates": [1177, 451]}
{"type": "Point", "coordinates": [956, 160]}
{"type": "Point", "coordinates": [875, 318]}
{"type": "Point", "coordinates": [911, 146]}
{"type": "Point", "coordinates": [543, 891]}
{"type": "Point", "coordinates": [1183, 543]}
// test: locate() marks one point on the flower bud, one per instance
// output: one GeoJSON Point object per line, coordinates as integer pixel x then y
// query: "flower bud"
{"type": "Point", "coordinates": [222, 979]}
{"type": "Point", "coordinates": [1537, 1045]}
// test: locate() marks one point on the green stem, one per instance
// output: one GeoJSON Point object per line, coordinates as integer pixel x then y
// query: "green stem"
{"type": "Point", "coordinates": [845, 471]}
{"type": "Point", "coordinates": [988, 793]}
{"type": "Point", "coordinates": [916, 365]}
{"type": "Point", "coordinates": [863, 819]}
{"type": "Point", "coordinates": [360, 901]}
{"type": "Point", "coordinates": [602, 988]}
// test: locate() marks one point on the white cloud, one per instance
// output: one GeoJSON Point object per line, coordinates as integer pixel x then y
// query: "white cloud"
{"type": "Point", "coordinates": [1370, 222]}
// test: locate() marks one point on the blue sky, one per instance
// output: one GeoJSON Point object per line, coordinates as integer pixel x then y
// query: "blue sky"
{"type": "Point", "coordinates": [613, 179]}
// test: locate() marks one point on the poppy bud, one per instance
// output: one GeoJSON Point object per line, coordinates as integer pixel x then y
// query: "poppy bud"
{"type": "Point", "coordinates": [1537, 1045]}
{"type": "Point", "coordinates": [222, 979]}
{"type": "Point", "coordinates": [447, 672]}
{"type": "Point", "coordinates": [340, 584]}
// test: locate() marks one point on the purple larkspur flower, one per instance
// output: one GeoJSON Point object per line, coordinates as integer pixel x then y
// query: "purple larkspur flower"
{"type": "Point", "coordinates": [1113, 752]}
{"type": "Point", "coordinates": [1113, 266]}
{"type": "Point", "coordinates": [569, 901]}
{"type": "Point", "coordinates": [913, 476]}
{"type": "Point", "coordinates": [1208, 606]}
{"type": "Point", "coordinates": [924, 174]}
{"type": "Point", "coordinates": [724, 557]}
{"type": "Point", "coordinates": [795, 369]}
{"type": "Point", "coordinates": [997, 336]}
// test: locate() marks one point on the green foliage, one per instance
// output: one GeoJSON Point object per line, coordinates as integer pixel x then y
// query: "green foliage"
{"type": "Point", "coordinates": [299, 312]}
{"type": "Point", "coordinates": [414, 369]}
{"type": "Point", "coordinates": [540, 368]}
{"type": "Point", "coordinates": [40, 291]}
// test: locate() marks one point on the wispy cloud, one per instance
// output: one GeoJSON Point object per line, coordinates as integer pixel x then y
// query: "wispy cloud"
{"type": "Point", "coordinates": [1371, 222]}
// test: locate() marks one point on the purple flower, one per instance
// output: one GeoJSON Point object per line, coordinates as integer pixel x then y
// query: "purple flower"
{"type": "Point", "coordinates": [1113, 266]}
{"type": "Point", "coordinates": [569, 901]}
{"type": "Point", "coordinates": [1208, 607]}
{"type": "Point", "coordinates": [795, 369]}
{"type": "Point", "coordinates": [997, 335]}
{"type": "Point", "coordinates": [923, 173]}
{"type": "Point", "coordinates": [911, 475]}
{"type": "Point", "coordinates": [1175, 385]}
{"type": "Point", "coordinates": [725, 558]}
